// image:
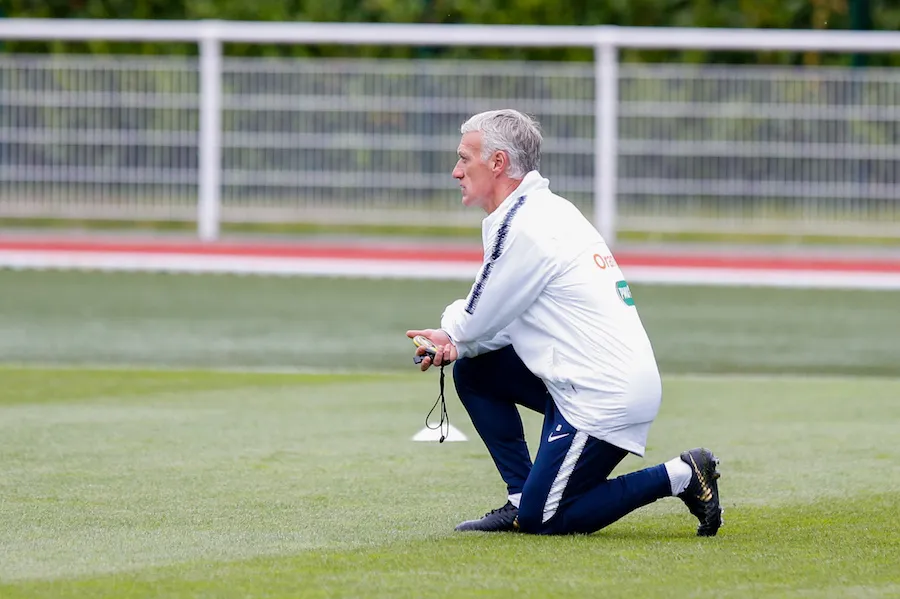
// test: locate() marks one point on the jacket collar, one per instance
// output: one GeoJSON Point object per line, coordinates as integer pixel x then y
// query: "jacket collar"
{"type": "Point", "coordinates": [532, 182]}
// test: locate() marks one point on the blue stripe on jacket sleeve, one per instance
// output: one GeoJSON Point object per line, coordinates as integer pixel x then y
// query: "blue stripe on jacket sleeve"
{"type": "Point", "coordinates": [496, 252]}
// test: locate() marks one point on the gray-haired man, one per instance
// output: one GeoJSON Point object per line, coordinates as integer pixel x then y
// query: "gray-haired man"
{"type": "Point", "coordinates": [550, 324]}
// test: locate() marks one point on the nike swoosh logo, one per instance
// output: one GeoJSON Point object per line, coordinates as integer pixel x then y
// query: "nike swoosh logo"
{"type": "Point", "coordinates": [553, 438]}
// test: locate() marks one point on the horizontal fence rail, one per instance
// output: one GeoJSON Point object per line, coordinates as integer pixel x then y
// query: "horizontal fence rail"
{"type": "Point", "coordinates": [651, 148]}
{"type": "Point", "coordinates": [98, 138]}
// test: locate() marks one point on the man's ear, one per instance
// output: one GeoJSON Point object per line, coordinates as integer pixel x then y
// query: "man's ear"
{"type": "Point", "coordinates": [499, 162]}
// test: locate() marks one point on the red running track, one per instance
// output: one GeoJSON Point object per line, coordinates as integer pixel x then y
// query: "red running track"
{"type": "Point", "coordinates": [387, 253]}
{"type": "Point", "coordinates": [377, 259]}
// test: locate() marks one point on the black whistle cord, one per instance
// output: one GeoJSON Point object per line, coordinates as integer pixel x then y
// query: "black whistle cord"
{"type": "Point", "coordinates": [445, 418]}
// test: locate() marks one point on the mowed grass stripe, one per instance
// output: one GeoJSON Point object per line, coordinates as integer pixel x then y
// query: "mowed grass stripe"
{"type": "Point", "coordinates": [324, 374]}
{"type": "Point", "coordinates": [270, 323]}
{"type": "Point", "coordinates": [248, 484]}
{"type": "Point", "coordinates": [31, 383]}
{"type": "Point", "coordinates": [784, 552]}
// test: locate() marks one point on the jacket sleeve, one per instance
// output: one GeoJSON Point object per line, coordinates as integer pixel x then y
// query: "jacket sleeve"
{"type": "Point", "coordinates": [501, 339]}
{"type": "Point", "coordinates": [514, 273]}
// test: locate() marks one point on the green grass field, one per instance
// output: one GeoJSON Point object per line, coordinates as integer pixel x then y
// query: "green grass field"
{"type": "Point", "coordinates": [213, 436]}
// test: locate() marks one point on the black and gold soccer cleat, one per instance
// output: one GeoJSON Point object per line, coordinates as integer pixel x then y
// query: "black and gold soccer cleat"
{"type": "Point", "coordinates": [702, 493]}
{"type": "Point", "coordinates": [502, 519]}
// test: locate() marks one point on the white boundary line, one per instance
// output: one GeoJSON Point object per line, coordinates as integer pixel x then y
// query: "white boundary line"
{"type": "Point", "coordinates": [294, 266]}
{"type": "Point", "coordinates": [230, 264]}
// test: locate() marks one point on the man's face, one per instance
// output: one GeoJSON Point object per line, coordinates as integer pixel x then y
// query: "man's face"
{"type": "Point", "coordinates": [475, 176]}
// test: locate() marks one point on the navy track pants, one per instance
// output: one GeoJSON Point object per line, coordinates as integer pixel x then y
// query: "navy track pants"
{"type": "Point", "coordinates": [567, 489]}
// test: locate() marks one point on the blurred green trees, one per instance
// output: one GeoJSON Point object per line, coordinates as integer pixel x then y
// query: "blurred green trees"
{"type": "Point", "coordinates": [784, 14]}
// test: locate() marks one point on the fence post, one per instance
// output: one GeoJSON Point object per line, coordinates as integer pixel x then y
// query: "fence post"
{"type": "Point", "coordinates": [210, 143]}
{"type": "Point", "coordinates": [606, 97]}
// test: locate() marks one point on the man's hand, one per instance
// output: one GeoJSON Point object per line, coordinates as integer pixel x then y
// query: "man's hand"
{"type": "Point", "coordinates": [445, 351]}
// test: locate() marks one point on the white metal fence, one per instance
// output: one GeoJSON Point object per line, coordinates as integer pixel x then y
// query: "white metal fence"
{"type": "Point", "coordinates": [786, 150]}
{"type": "Point", "coordinates": [376, 140]}
{"type": "Point", "coordinates": [691, 148]}
{"type": "Point", "coordinates": [98, 138]}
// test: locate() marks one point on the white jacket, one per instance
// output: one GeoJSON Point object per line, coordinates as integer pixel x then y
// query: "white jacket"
{"type": "Point", "coordinates": [550, 286]}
